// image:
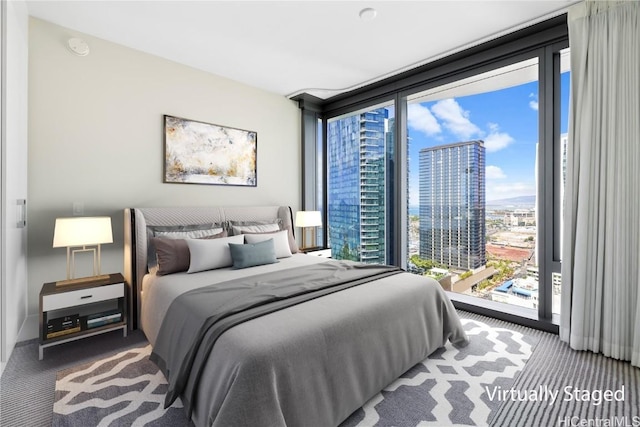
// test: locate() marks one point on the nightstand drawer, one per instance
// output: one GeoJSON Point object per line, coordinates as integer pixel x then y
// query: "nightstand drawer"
{"type": "Point", "coordinates": [324, 253]}
{"type": "Point", "coordinates": [82, 296]}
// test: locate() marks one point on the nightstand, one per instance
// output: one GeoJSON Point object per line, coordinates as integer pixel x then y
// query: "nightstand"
{"type": "Point", "coordinates": [74, 311]}
{"type": "Point", "coordinates": [325, 253]}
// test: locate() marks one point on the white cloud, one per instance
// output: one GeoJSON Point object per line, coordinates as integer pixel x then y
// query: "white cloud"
{"type": "Point", "coordinates": [455, 118]}
{"type": "Point", "coordinates": [496, 140]}
{"type": "Point", "coordinates": [421, 119]}
{"type": "Point", "coordinates": [494, 172]}
{"type": "Point", "coordinates": [533, 104]}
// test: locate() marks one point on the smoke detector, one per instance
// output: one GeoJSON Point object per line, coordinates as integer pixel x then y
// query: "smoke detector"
{"type": "Point", "coordinates": [78, 46]}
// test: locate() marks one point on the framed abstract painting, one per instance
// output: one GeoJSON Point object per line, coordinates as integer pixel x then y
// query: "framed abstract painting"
{"type": "Point", "coordinates": [204, 153]}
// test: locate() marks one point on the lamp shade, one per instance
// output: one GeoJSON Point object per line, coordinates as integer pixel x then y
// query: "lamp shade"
{"type": "Point", "coordinates": [80, 231]}
{"type": "Point", "coordinates": [308, 219]}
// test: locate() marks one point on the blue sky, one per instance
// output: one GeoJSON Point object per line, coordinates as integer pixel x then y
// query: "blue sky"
{"type": "Point", "coordinates": [507, 121]}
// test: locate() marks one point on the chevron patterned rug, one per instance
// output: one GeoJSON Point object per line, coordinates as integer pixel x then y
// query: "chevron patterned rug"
{"type": "Point", "coordinates": [451, 387]}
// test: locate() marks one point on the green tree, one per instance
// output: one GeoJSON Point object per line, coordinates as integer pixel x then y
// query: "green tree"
{"type": "Point", "coordinates": [466, 274]}
{"type": "Point", "coordinates": [426, 264]}
{"type": "Point", "coordinates": [483, 285]}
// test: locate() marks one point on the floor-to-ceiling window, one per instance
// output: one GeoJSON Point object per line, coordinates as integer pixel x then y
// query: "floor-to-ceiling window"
{"type": "Point", "coordinates": [473, 187]}
{"type": "Point", "coordinates": [459, 175]}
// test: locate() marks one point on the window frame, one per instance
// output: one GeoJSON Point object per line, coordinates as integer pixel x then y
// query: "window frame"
{"type": "Point", "coordinates": [544, 40]}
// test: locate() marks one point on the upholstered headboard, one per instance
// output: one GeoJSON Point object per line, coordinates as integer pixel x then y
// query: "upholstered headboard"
{"type": "Point", "coordinates": [136, 221]}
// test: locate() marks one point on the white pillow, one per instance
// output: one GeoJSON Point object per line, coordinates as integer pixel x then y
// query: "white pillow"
{"type": "Point", "coordinates": [280, 241]}
{"type": "Point", "coordinates": [211, 254]}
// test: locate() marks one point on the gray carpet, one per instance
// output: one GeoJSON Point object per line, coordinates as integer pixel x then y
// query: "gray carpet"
{"type": "Point", "coordinates": [27, 385]}
{"type": "Point", "coordinates": [122, 390]}
{"type": "Point", "coordinates": [447, 388]}
{"type": "Point", "coordinates": [555, 366]}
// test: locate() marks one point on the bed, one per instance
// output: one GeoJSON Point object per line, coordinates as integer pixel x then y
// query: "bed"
{"type": "Point", "coordinates": [312, 362]}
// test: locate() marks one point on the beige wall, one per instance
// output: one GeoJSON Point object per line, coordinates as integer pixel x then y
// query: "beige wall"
{"type": "Point", "coordinates": [96, 137]}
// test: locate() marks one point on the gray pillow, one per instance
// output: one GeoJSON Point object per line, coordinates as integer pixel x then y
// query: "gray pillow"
{"type": "Point", "coordinates": [254, 228]}
{"type": "Point", "coordinates": [252, 254]}
{"type": "Point", "coordinates": [193, 231]}
{"type": "Point", "coordinates": [265, 226]}
{"type": "Point", "coordinates": [173, 255]}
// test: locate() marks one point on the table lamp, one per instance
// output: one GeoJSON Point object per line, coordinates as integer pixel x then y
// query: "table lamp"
{"type": "Point", "coordinates": [305, 220]}
{"type": "Point", "coordinates": [82, 234]}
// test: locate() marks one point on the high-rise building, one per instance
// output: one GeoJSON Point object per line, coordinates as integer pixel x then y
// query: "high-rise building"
{"type": "Point", "coordinates": [452, 204]}
{"type": "Point", "coordinates": [390, 172]}
{"type": "Point", "coordinates": [357, 199]}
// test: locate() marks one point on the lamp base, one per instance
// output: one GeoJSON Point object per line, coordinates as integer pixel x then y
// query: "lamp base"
{"type": "Point", "coordinates": [81, 280]}
{"type": "Point", "coordinates": [309, 249]}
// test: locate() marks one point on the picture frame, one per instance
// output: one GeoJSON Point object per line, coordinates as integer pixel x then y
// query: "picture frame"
{"type": "Point", "coordinates": [204, 153]}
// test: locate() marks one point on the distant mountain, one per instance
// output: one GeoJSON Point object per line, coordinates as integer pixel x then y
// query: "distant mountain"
{"type": "Point", "coordinates": [519, 202]}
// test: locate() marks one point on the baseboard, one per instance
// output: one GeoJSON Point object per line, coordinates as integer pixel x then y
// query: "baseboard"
{"type": "Point", "coordinates": [29, 329]}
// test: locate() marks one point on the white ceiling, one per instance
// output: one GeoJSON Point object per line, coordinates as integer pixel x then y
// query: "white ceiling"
{"type": "Point", "coordinates": [289, 47]}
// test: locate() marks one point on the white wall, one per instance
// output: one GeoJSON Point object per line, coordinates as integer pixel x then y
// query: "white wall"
{"type": "Point", "coordinates": [96, 137]}
{"type": "Point", "coordinates": [14, 176]}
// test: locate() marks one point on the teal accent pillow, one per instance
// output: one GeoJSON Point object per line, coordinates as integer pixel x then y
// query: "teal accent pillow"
{"type": "Point", "coordinates": [252, 254]}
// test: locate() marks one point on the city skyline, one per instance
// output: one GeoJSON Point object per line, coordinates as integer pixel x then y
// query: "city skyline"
{"type": "Point", "coordinates": [509, 138]}
{"type": "Point", "coordinates": [464, 154]}
{"type": "Point", "coordinates": [505, 119]}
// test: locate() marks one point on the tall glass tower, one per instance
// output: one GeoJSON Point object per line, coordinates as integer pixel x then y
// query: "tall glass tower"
{"type": "Point", "coordinates": [452, 204]}
{"type": "Point", "coordinates": [356, 186]}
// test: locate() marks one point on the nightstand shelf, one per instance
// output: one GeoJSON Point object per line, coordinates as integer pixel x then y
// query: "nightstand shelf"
{"type": "Point", "coordinates": [90, 308]}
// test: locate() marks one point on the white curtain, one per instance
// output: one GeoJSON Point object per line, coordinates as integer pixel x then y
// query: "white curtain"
{"type": "Point", "coordinates": [601, 252]}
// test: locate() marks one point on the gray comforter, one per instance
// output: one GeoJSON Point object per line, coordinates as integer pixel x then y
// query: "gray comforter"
{"type": "Point", "coordinates": [314, 363]}
{"type": "Point", "coordinates": [196, 319]}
